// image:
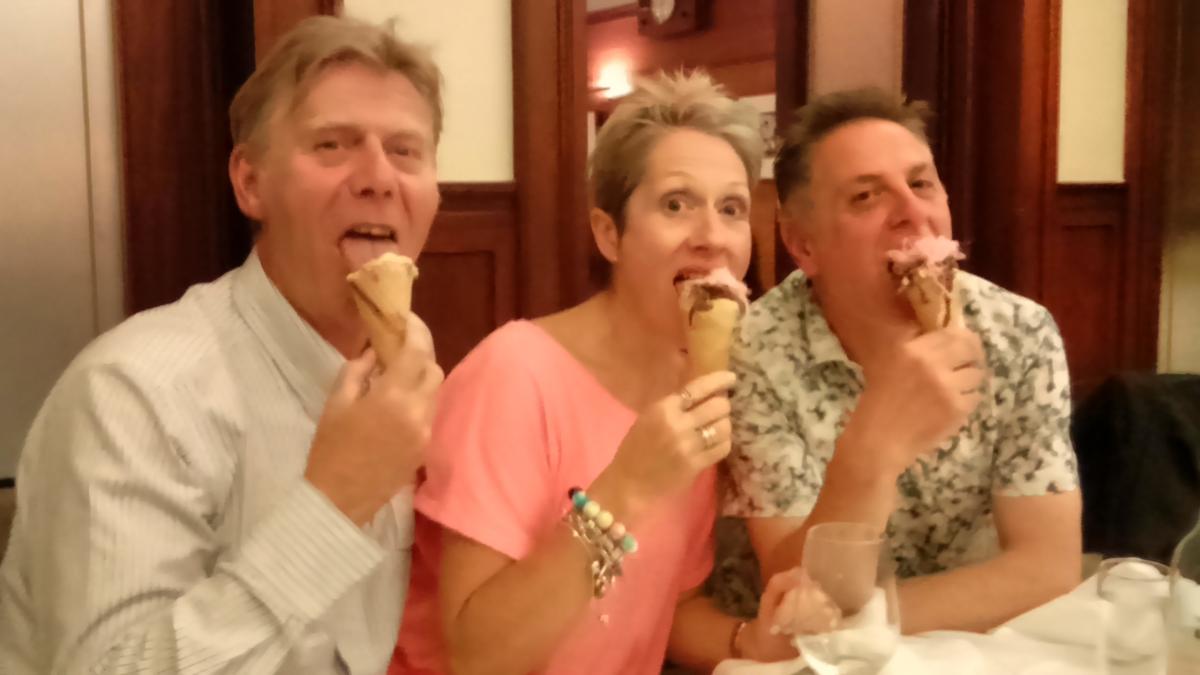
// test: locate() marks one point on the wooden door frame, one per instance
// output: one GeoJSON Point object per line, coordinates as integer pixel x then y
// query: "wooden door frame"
{"type": "Point", "coordinates": [273, 18]}
{"type": "Point", "coordinates": [550, 153]}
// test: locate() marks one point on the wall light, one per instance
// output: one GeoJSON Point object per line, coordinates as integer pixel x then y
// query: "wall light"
{"type": "Point", "coordinates": [614, 79]}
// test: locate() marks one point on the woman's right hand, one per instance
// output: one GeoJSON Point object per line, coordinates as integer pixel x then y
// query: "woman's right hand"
{"type": "Point", "coordinates": [671, 442]}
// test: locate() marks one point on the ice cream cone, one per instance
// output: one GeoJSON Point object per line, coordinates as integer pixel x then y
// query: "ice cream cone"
{"type": "Point", "coordinates": [925, 271]}
{"type": "Point", "coordinates": [712, 305]}
{"type": "Point", "coordinates": [383, 295]}
{"type": "Point", "coordinates": [710, 335]}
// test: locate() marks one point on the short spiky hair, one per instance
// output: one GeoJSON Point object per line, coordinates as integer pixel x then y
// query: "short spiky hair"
{"type": "Point", "coordinates": [820, 117]}
{"type": "Point", "coordinates": [657, 106]}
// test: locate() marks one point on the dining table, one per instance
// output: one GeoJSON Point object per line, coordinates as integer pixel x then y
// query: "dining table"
{"type": "Point", "coordinates": [1066, 636]}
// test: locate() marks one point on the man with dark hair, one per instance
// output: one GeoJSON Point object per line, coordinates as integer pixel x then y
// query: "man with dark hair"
{"type": "Point", "coordinates": [846, 411]}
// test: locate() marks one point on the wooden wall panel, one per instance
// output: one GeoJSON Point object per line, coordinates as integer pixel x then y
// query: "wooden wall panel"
{"type": "Point", "coordinates": [738, 48]}
{"type": "Point", "coordinates": [940, 62]}
{"type": "Point", "coordinates": [468, 282]}
{"type": "Point", "coordinates": [791, 58]}
{"type": "Point", "coordinates": [550, 154]}
{"type": "Point", "coordinates": [273, 18]}
{"type": "Point", "coordinates": [178, 65]}
{"type": "Point", "coordinates": [1085, 279]}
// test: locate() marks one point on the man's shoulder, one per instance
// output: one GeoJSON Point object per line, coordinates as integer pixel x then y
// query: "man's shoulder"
{"type": "Point", "coordinates": [1002, 314]}
{"type": "Point", "coordinates": [1013, 328]}
{"type": "Point", "coordinates": [162, 345]}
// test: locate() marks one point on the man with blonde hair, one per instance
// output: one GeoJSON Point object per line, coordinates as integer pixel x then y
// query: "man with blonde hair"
{"type": "Point", "coordinates": [954, 440]}
{"type": "Point", "coordinates": [224, 484]}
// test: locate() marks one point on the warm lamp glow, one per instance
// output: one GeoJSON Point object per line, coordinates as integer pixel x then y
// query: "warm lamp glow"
{"type": "Point", "coordinates": [614, 79]}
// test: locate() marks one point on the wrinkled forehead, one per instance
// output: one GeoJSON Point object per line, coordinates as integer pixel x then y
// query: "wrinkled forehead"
{"type": "Point", "coordinates": [690, 154]}
{"type": "Point", "coordinates": [353, 94]}
{"type": "Point", "coordinates": [869, 147]}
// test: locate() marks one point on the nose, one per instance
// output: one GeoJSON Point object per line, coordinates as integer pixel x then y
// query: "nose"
{"type": "Point", "coordinates": [707, 230]}
{"type": "Point", "coordinates": [373, 175]}
{"type": "Point", "coordinates": [911, 213]}
{"type": "Point", "coordinates": [709, 240]}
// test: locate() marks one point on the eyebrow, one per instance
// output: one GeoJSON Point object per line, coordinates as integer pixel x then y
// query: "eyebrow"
{"type": "Point", "coordinates": [740, 185]}
{"type": "Point", "coordinates": [920, 167]}
{"type": "Point", "coordinates": [872, 178]}
{"type": "Point", "coordinates": [333, 126]}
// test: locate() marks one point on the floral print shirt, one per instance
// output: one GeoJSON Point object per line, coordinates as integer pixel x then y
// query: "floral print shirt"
{"type": "Point", "coordinates": [796, 388]}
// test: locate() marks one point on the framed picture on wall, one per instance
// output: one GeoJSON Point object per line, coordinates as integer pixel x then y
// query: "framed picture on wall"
{"type": "Point", "coordinates": [765, 104]}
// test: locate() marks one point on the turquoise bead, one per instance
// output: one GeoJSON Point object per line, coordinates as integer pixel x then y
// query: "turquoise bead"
{"type": "Point", "coordinates": [579, 499]}
{"type": "Point", "coordinates": [629, 544]}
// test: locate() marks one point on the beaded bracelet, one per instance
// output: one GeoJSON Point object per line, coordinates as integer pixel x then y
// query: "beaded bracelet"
{"type": "Point", "coordinates": [606, 540]}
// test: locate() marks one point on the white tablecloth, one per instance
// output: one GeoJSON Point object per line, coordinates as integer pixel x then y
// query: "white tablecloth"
{"type": "Point", "coordinates": [1061, 637]}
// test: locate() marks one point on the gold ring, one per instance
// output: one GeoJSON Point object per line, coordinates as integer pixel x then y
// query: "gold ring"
{"type": "Point", "coordinates": [709, 435]}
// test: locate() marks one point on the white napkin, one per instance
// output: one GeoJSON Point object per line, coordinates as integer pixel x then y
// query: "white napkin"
{"type": "Point", "coordinates": [1125, 626]}
{"type": "Point", "coordinates": [950, 653]}
{"type": "Point", "coordinates": [866, 633]}
{"type": "Point", "coordinates": [1072, 619]}
{"type": "Point", "coordinates": [1059, 638]}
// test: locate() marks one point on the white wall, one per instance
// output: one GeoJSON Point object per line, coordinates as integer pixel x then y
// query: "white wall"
{"type": "Point", "coordinates": [597, 5]}
{"type": "Point", "coordinates": [855, 43]}
{"type": "Point", "coordinates": [1091, 121]}
{"type": "Point", "coordinates": [472, 42]}
{"type": "Point", "coordinates": [60, 261]}
{"type": "Point", "coordinates": [1179, 327]}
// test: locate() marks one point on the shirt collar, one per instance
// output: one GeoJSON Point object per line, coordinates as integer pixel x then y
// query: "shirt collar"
{"type": "Point", "coordinates": [819, 344]}
{"type": "Point", "coordinates": [308, 362]}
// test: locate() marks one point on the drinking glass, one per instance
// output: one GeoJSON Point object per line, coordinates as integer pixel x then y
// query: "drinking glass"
{"type": "Point", "coordinates": [852, 563]}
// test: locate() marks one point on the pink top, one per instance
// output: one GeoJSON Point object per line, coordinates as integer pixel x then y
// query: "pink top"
{"type": "Point", "coordinates": [520, 422]}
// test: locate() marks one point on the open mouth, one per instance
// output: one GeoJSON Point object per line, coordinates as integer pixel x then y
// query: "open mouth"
{"type": "Point", "coordinates": [372, 232]}
{"type": "Point", "coordinates": [687, 274]}
{"type": "Point", "coordinates": [364, 242]}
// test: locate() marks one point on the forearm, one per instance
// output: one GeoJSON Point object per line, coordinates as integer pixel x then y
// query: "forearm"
{"type": "Point", "coordinates": [244, 617]}
{"type": "Point", "coordinates": [537, 600]}
{"type": "Point", "coordinates": [981, 597]}
{"type": "Point", "coordinates": [700, 635]}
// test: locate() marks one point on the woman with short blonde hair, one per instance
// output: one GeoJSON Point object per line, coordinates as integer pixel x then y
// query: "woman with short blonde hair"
{"type": "Point", "coordinates": [565, 525]}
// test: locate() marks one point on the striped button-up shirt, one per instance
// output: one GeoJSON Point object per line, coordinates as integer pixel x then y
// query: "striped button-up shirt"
{"type": "Point", "coordinates": [163, 522]}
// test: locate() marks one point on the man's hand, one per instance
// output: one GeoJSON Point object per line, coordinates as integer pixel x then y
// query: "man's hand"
{"type": "Point", "coordinates": [372, 435]}
{"type": "Point", "coordinates": [917, 396]}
